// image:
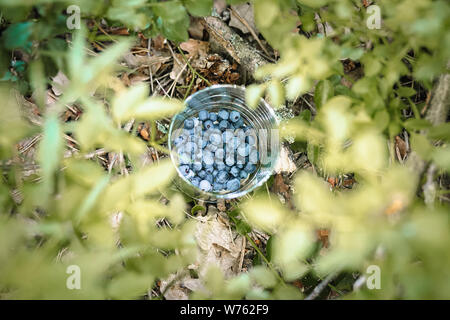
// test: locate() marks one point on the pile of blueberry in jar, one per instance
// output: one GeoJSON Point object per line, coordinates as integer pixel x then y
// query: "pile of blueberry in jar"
{"type": "Point", "coordinates": [217, 151]}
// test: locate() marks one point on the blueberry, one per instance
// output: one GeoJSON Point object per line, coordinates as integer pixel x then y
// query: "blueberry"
{"type": "Point", "coordinates": [253, 156]}
{"type": "Point", "coordinates": [208, 124]}
{"type": "Point", "coordinates": [234, 116]}
{"type": "Point", "coordinates": [222, 177]}
{"type": "Point", "coordinates": [235, 171]}
{"type": "Point", "coordinates": [218, 155]}
{"type": "Point", "coordinates": [227, 136]}
{"type": "Point", "coordinates": [239, 123]}
{"type": "Point", "coordinates": [218, 186]}
{"type": "Point", "coordinates": [205, 185]}
{"type": "Point", "coordinates": [208, 158]}
{"type": "Point", "coordinates": [223, 125]}
{"type": "Point", "coordinates": [209, 177]}
{"type": "Point", "coordinates": [196, 181]}
{"type": "Point", "coordinates": [190, 147]}
{"type": "Point", "coordinates": [197, 166]}
{"type": "Point", "coordinates": [179, 140]}
{"type": "Point", "coordinates": [243, 150]}
{"type": "Point", "coordinates": [229, 161]}
{"type": "Point", "coordinates": [184, 169]}
{"type": "Point", "coordinates": [220, 166]}
{"type": "Point", "coordinates": [215, 172]}
{"type": "Point", "coordinates": [213, 116]}
{"type": "Point", "coordinates": [223, 114]}
{"type": "Point", "coordinates": [251, 140]}
{"type": "Point", "coordinates": [185, 158]}
{"type": "Point", "coordinates": [228, 168]}
{"type": "Point", "coordinates": [249, 168]}
{"type": "Point", "coordinates": [202, 174]}
{"type": "Point", "coordinates": [243, 174]}
{"type": "Point", "coordinates": [240, 165]}
{"type": "Point", "coordinates": [189, 123]}
{"type": "Point", "coordinates": [211, 147]}
{"type": "Point", "coordinates": [209, 169]}
{"type": "Point", "coordinates": [203, 115]}
{"type": "Point", "coordinates": [233, 184]}
{"type": "Point", "coordinates": [215, 138]}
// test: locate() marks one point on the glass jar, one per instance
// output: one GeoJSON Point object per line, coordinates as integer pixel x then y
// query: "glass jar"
{"type": "Point", "coordinates": [262, 119]}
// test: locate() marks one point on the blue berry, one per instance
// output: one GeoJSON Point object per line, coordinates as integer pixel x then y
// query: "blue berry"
{"type": "Point", "coordinates": [222, 177]}
{"type": "Point", "coordinates": [196, 181]}
{"type": "Point", "coordinates": [215, 138]}
{"type": "Point", "coordinates": [205, 185]}
{"type": "Point", "coordinates": [208, 124]}
{"type": "Point", "coordinates": [209, 177]}
{"type": "Point", "coordinates": [253, 156]}
{"type": "Point", "coordinates": [185, 158]}
{"type": "Point", "coordinates": [235, 171]}
{"type": "Point", "coordinates": [227, 136]}
{"type": "Point", "coordinates": [202, 174]}
{"type": "Point", "coordinates": [239, 123]}
{"type": "Point", "coordinates": [223, 114]}
{"type": "Point", "coordinates": [190, 147]}
{"type": "Point", "coordinates": [233, 184]}
{"type": "Point", "coordinates": [213, 116]}
{"type": "Point", "coordinates": [240, 165]}
{"type": "Point", "coordinates": [208, 158]}
{"type": "Point", "coordinates": [229, 161]}
{"type": "Point", "coordinates": [218, 186]}
{"type": "Point", "coordinates": [220, 166]}
{"type": "Point", "coordinates": [209, 169]}
{"type": "Point", "coordinates": [223, 125]}
{"type": "Point", "coordinates": [218, 155]}
{"type": "Point", "coordinates": [184, 169]}
{"type": "Point", "coordinates": [189, 123]}
{"type": "Point", "coordinates": [251, 140]}
{"type": "Point", "coordinates": [249, 168]}
{"type": "Point", "coordinates": [243, 150]}
{"type": "Point", "coordinates": [243, 174]}
{"type": "Point", "coordinates": [197, 166]}
{"type": "Point", "coordinates": [234, 116]}
{"type": "Point", "coordinates": [215, 172]}
{"type": "Point", "coordinates": [203, 115]}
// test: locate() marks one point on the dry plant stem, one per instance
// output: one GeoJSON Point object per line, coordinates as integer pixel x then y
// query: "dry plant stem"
{"type": "Point", "coordinates": [255, 36]}
{"type": "Point", "coordinates": [191, 68]}
{"type": "Point", "coordinates": [319, 288]}
{"type": "Point", "coordinates": [436, 114]}
{"type": "Point", "coordinates": [233, 44]}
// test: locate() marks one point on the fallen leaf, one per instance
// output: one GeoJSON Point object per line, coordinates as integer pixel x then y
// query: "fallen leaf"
{"type": "Point", "coordinates": [285, 163]}
{"type": "Point", "coordinates": [195, 48]}
{"type": "Point", "coordinates": [245, 11]}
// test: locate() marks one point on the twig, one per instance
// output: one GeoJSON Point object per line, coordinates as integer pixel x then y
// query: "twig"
{"type": "Point", "coordinates": [319, 288]}
{"type": "Point", "coordinates": [241, 51]}
{"type": "Point", "coordinates": [255, 36]}
{"type": "Point", "coordinates": [191, 68]}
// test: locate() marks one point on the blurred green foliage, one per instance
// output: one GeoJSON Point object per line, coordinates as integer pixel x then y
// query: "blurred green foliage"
{"type": "Point", "coordinates": [64, 214]}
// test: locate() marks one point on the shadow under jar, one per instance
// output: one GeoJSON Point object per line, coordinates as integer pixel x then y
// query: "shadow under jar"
{"type": "Point", "coordinates": [261, 120]}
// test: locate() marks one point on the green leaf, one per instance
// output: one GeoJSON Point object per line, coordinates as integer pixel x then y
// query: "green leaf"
{"type": "Point", "coordinates": [155, 108]}
{"type": "Point", "coordinates": [324, 91]}
{"type": "Point", "coordinates": [406, 91]}
{"type": "Point", "coordinates": [441, 131]}
{"type": "Point", "coordinates": [18, 36]}
{"type": "Point", "coordinates": [50, 149]}
{"type": "Point", "coordinates": [253, 94]}
{"type": "Point", "coordinates": [421, 145]}
{"type": "Point", "coordinates": [417, 124]}
{"type": "Point", "coordinates": [263, 276]}
{"type": "Point", "coordinates": [198, 7]}
{"type": "Point", "coordinates": [173, 20]}
{"type": "Point", "coordinates": [275, 91]}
